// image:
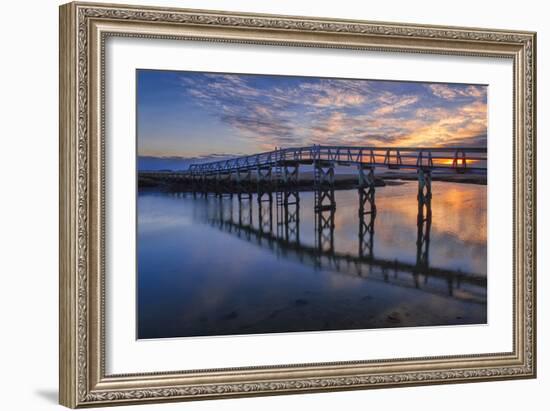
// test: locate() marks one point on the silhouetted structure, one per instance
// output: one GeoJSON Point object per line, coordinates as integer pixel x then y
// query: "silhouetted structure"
{"type": "Point", "coordinates": [276, 174]}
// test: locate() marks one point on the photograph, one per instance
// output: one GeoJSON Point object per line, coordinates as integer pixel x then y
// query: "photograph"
{"type": "Point", "coordinates": [264, 202]}
{"type": "Point", "coordinates": [283, 204]}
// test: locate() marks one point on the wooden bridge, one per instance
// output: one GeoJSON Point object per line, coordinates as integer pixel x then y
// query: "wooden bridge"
{"type": "Point", "coordinates": [459, 159]}
{"type": "Point", "coordinates": [277, 172]}
{"type": "Point", "coordinates": [274, 177]}
{"type": "Point", "coordinates": [280, 167]}
{"type": "Point", "coordinates": [273, 180]}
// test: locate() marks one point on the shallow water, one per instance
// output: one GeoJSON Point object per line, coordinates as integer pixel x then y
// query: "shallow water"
{"type": "Point", "coordinates": [212, 267]}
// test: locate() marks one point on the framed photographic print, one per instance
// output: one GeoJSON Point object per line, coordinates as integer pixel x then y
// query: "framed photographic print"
{"type": "Point", "coordinates": [258, 204]}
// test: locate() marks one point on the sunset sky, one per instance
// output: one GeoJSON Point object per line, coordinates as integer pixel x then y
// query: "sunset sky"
{"type": "Point", "coordinates": [193, 115]}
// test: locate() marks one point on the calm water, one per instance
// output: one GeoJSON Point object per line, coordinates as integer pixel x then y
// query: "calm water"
{"type": "Point", "coordinates": [204, 270]}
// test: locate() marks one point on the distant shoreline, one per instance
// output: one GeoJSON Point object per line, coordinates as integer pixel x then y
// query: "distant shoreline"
{"type": "Point", "coordinates": [478, 179]}
{"type": "Point", "coordinates": [305, 181]}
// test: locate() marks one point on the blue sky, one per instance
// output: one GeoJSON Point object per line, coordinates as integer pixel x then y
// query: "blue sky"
{"type": "Point", "coordinates": [194, 115]}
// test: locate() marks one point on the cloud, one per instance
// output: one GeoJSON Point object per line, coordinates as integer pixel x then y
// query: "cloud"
{"type": "Point", "coordinates": [337, 98]}
{"type": "Point", "coordinates": [448, 92]}
{"type": "Point", "coordinates": [394, 106]}
{"type": "Point", "coordinates": [448, 126]}
{"type": "Point", "coordinates": [269, 111]}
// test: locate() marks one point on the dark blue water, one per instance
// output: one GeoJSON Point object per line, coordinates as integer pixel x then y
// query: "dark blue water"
{"type": "Point", "coordinates": [203, 269]}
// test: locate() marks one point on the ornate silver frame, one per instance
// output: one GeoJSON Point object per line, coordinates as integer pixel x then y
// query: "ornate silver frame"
{"type": "Point", "coordinates": [83, 30]}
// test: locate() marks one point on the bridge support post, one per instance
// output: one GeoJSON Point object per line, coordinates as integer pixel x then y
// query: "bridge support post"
{"type": "Point", "coordinates": [423, 221]}
{"type": "Point", "coordinates": [367, 210]}
{"type": "Point", "coordinates": [244, 196]}
{"type": "Point", "coordinates": [222, 184]}
{"type": "Point", "coordinates": [424, 186]}
{"type": "Point", "coordinates": [205, 185]}
{"type": "Point", "coordinates": [291, 173]}
{"type": "Point", "coordinates": [194, 184]}
{"type": "Point", "coordinates": [225, 209]}
{"type": "Point", "coordinates": [264, 181]}
{"type": "Point", "coordinates": [217, 184]}
{"type": "Point", "coordinates": [459, 161]}
{"type": "Point", "coordinates": [265, 213]}
{"type": "Point", "coordinates": [219, 211]}
{"type": "Point", "coordinates": [245, 212]}
{"type": "Point", "coordinates": [291, 215]}
{"type": "Point", "coordinates": [324, 186]}
{"type": "Point", "coordinates": [325, 204]}
{"type": "Point", "coordinates": [288, 201]}
{"type": "Point", "coordinates": [244, 183]}
{"type": "Point", "coordinates": [265, 199]}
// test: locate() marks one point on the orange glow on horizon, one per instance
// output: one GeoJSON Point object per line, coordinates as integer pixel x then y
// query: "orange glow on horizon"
{"type": "Point", "coordinates": [450, 161]}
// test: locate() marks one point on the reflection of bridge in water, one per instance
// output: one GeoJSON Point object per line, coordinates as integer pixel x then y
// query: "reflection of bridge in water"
{"type": "Point", "coordinates": [277, 228]}
{"type": "Point", "coordinates": [273, 178]}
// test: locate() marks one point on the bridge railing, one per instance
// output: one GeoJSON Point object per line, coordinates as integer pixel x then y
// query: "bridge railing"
{"type": "Point", "coordinates": [458, 158]}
